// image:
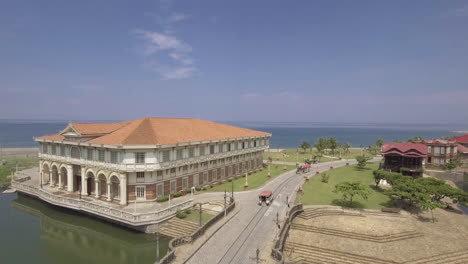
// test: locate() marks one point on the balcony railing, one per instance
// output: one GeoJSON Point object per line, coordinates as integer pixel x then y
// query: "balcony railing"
{"type": "Point", "coordinates": [149, 166]}
{"type": "Point", "coordinates": [103, 210]}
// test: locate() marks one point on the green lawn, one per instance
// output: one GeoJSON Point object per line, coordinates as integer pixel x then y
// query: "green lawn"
{"type": "Point", "coordinates": [255, 180]}
{"type": "Point", "coordinates": [319, 193]}
{"type": "Point", "coordinates": [195, 216]}
{"type": "Point", "coordinates": [293, 155]}
{"type": "Point", "coordinates": [298, 155]}
{"type": "Point", "coordinates": [10, 166]}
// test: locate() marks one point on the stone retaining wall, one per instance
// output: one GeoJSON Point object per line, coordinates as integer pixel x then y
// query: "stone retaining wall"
{"type": "Point", "coordinates": [170, 256]}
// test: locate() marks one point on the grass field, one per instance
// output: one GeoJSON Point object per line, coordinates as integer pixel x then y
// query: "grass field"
{"type": "Point", "coordinates": [194, 216]}
{"type": "Point", "coordinates": [255, 180]}
{"type": "Point", "coordinates": [10, 166]}
{"type": "Point", "coordinates": [295, 155]}
{"type": "Point", "coordinates": [319, 193]}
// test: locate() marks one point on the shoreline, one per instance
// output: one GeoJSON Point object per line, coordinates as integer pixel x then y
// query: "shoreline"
{"type": "Point", "coordinates": [18, 152]}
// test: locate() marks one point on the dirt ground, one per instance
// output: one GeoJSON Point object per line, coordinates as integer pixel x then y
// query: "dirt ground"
{"type": "Point", "coordinates": [379, 239]}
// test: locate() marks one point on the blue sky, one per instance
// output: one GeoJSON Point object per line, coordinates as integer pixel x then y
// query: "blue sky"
{"type": "Point", "coordinates": [332, 61]}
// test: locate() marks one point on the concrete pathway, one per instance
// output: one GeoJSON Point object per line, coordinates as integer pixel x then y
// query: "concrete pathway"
{"type": "Point", "coordinates": [254, 226]}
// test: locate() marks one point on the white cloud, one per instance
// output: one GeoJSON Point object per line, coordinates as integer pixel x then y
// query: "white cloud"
{"type": "Point", "coordinates": [163, 44]}
{"type": "Point", "coordinates": [176, 17]}
{"type": "Point", "coordinates": [457, 12]}
{"type": "Point", "coordinates": [178, 73]}
{"type": "Point", "coordinates": [182, 58]}
{"type": "Point", "coordinates": [156, 41]}
{"type": "Point", "coordinates": [171, 72]}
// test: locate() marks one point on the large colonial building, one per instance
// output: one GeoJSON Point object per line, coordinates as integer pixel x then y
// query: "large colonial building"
{"type": "Point", "coordinates": [147, 158]}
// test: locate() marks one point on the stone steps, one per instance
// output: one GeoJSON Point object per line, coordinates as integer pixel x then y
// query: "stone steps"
{"type": "Point", "coordinates": [176, 227]}
{"type": "Point", "coordinates": [312, 254]}
{"type": "Point", "coordinates": [358, 236]}
{"type": "Point", "coordinates": [457, 257]}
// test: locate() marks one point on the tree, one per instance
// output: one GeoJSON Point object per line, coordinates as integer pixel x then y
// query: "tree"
{"type": "Point", "coordinates": [270, 159]}
{"type": "Point", "coordinates": [362, 161]}
{"type": "Point", "coordinates": [333, 144]}
{"type": "Point", "coordinates": [408, 190]}
{"type": "Point", "coordinates": [437, 188]}
{"type": "Point", "coordinates": [415, 139]}
{"type": "Point", "coordinates": [321, 145]}
{"type": "Point", "coordinates": [429, 204]}
{"type": "Point", "coordinates": [346, 147]}
{"type": "Point", "coordinates": [452, 165]}
{"type": "Point", "coordinates": [379, 143]}
{"type": "Point", "coordinates": [304, 145]}
{"type": "Point", "coordinates": [350, 189]}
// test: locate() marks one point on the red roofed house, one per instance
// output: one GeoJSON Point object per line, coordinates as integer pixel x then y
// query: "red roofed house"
{"type": "Point", "coordinates": [440, 152]}
{"type": "Point", "coordinates": [462, 150]}
{"type": "Point", "coordinates": [407, 158]}
{"type": "Point", "coordinates": [147, 158]}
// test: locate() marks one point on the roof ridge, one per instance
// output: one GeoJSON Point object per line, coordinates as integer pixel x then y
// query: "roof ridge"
{"type": "Point", "coordinates": [146, 121]}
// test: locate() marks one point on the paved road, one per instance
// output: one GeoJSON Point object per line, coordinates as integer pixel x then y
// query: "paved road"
{"type": "Point", "coordinates": [253, 226]}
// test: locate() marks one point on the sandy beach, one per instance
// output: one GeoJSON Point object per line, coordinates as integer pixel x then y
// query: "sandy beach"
{"type": "Point", "coordinates": [18, 152]}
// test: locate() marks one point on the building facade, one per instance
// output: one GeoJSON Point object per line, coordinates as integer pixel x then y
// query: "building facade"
{"type": "Point", "coordinates": [143, 159]}
{"type": "Point", "coordinates": [440, 152]}
{"type": "Point", "coordinates": [462, 142]}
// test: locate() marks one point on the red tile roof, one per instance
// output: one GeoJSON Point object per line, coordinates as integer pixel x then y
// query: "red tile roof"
{"type": "Point", "coordinates": [406, 149]}
{"type": "Point", "coordinates": [462, 148]}
{"type": "Point", "coordinates": [439, 141]}
{"type": "Point", "coordinates": [156, 131]}
{"type": "Point", "coordinates": [461, 139]}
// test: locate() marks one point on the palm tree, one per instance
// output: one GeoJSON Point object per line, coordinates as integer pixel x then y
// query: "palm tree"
{"type": "Point", "coordinates": [304, 145]}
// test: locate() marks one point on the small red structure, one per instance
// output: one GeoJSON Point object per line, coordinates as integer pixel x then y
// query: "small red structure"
{"type": "Point", "coordinates": [406, 158]}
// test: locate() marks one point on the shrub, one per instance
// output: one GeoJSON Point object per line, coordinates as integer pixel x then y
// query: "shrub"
{"type": "Point", "coordinates": [230, 180]}
{"type": "Point", "coordinates": [177, 194]}
{"type": "Point", "coordinates": [188, 211]}
{"type": "Point", "coordinates": [198, 188]}
{"type": "Point", "coordinates": [324, 178]}
{"type": "Point", "coordinates": [362, 161]}
{"type": "Point", "coordinates": [181, 214]}
{"type": "Point", "coordinates": [162, 199]}
{"type": "Point", "coordinates": [203, 188]}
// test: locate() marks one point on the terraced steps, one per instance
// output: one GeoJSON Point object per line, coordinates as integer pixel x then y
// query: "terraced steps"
{"type": "Point", "coordinates": [312, 254]}
{"type": "Point", "coordinates": [359, 236]}
{"type": "Point", "coordinates": [457, 257]}
{"type": "Point", "coordinates": [176, 227]}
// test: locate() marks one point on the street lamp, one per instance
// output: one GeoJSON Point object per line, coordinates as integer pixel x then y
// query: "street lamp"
{"type": "Point", "coordinates": [246, 183]}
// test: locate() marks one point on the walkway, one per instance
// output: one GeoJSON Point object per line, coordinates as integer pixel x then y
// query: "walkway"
{"type": "Point", "coordinates": [254, 226]}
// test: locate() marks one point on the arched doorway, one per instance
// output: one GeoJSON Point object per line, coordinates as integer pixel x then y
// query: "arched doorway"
{"type": "Point", "coordinates": [54, 175]}
{"type": "Point", "coordinates": [102, 185]}
{"type": "Point", "coordinates": [63, 177]}
{"type": "Point", "coordinates": [90, 182]}
{"type": "Point", "coordinates": [45, 173]}
{"type": "Point", "coordinates": [115, 187]}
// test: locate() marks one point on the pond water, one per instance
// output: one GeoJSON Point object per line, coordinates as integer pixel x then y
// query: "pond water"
{"type": "Point", "coordinates": [32, 231]}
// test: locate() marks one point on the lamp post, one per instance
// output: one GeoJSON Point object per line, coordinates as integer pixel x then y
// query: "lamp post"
{"type": "Point", "coordinates": [246, 183]}
{"type": "Point", "coordinates": [225, 196]}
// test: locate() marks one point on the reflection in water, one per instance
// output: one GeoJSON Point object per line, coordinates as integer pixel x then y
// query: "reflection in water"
{"type": "Point", "coordinates": [67, 237]}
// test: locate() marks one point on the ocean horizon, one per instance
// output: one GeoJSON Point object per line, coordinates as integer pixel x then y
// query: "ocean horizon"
{"type": "Point", "coordinates": [17, 133]}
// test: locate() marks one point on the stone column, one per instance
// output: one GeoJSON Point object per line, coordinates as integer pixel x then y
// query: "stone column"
{"type": "Point", "coordinates": [109, 191]}
{"type": "Point", "coordinates": [123, 189]}
{"type": "Point", "coordinates": [84, 186]}
{"type": "Point", "coordinates": [69, 178]}
{"type": "Point", "coordinates": [96, 187]}
{"type": "Point", "coordinates": [60, 180]}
